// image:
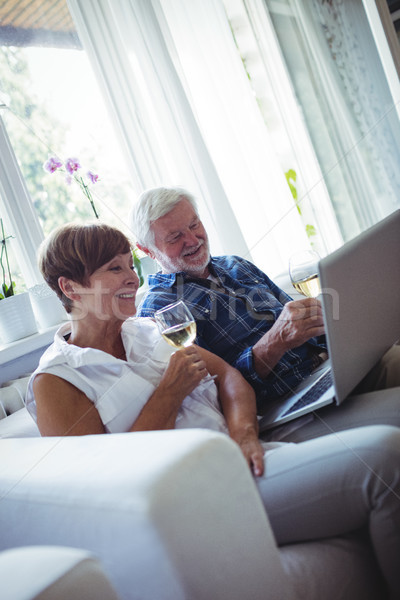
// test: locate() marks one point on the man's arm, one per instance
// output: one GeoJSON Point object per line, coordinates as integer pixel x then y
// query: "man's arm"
{"type": "Point", "coordinates": [299, 321]}
{"type": "Point", "coordinates": [238, 405]}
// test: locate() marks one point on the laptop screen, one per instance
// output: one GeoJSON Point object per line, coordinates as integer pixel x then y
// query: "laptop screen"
{"type": "Point", "coordinates": [360, 285]}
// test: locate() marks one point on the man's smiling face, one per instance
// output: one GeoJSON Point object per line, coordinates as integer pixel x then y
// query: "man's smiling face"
{"type": "Point", "coordinates": [181, 242]}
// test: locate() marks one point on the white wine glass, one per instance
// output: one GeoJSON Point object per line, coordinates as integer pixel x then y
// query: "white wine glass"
{"type": "Point", "coordinates": [303, 271]}
{"type": "Point", "coordinates": [178, 327]}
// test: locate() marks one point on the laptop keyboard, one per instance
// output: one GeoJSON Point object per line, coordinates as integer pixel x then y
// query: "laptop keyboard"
{"type": "Point", "coordinates": [312, 394]}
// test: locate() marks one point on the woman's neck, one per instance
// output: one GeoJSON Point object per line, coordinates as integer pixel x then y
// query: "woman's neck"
{"type": "Point", "coordinates": [101, 335]}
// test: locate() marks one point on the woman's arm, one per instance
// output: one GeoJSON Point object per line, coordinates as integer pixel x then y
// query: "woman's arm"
{"type": "Point", "coordinates": [238, 403]}
{"type": "Point", "coordinates": [62, 409]}
{"type": "Point", "coordinates": [186, 368]}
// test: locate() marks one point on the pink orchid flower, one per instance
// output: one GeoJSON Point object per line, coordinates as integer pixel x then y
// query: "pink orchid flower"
{"type": "Point", "coordinates": [72, 165]}
{"type": "Point", "coordinates": [92, 176]}
{"type": "Point", "coordinates": [52, 164]}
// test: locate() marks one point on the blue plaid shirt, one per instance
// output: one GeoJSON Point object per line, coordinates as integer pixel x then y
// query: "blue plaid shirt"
{"type": "Point", "coordinates": [232, 315]}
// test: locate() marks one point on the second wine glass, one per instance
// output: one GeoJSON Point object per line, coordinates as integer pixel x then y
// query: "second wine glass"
{"type": "Point", "coordinates": [303, 271]}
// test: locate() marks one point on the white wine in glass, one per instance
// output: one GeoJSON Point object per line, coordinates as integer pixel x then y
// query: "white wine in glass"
{"type": "Point", "coordinates": [303, 270]}
{"type": "Point", "coordinates": [178, 327]}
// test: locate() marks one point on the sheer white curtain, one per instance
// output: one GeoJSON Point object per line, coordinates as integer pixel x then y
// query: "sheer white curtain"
{"type": "Point", "coordinates": [271, 81]}
{"type": "Point", "coordinates": [185, 112]}
{"type": "Point", "coordinates": [347, 103]}
{"type": "Point", "coordinates": [162, 143]}
{"type": "Point", "coordinates": [233, 128]}
{"type": "Point", "coordinates": [363, 106]}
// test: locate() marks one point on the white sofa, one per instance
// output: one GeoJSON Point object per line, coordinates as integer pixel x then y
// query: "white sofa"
{"type": "Point", "coordinates": [52, 573]}
{"type": "Point", "coordinates": [170, 515]}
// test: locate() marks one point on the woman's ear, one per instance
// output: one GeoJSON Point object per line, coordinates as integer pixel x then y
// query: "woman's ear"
{"type": "Point", "coordinates": [146, 251]}
{"type": "Point", "coordinates": [69, 288]}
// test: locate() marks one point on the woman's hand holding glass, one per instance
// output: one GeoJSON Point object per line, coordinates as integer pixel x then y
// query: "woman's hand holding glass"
{"type": "Point", "coordinates": [186, 369]}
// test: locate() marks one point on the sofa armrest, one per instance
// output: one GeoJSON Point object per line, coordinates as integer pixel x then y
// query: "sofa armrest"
{"type": "Point", "coordinates": [52, 572]}
{"type": "Point", "coordinates": [171, 515]}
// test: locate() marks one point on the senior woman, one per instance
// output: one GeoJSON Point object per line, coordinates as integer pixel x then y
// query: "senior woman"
{"type": "Point", "coordinates": [107, 372]}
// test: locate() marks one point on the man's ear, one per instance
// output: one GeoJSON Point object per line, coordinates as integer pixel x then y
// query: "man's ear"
{"type": "Point", "coordinates": [69, 288]}
{"type": "Point", "coordinates": [146, 251]}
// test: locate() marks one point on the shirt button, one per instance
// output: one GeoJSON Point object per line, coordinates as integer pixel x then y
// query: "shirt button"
{"type": "Point", "coordinates": [256, 281]}
{"type": "Point", "coordinates": [207, 311]}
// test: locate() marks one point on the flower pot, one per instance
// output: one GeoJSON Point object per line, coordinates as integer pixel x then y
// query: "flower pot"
{"type": "Point", "coordinates": [16, 318]}
{"type": "Point", "coordinates": [47, 307]}
{"type": "Point", "coordinates": [149, 266]}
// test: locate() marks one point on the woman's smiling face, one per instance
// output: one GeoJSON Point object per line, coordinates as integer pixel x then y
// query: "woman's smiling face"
{"type": "Point", "coordinates": [111, 292]}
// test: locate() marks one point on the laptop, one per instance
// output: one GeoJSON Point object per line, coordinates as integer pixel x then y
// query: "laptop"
{"type": "Point", "coordinates": [360, 296]}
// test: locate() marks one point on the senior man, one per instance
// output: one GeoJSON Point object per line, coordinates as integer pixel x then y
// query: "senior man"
{"type": "Point", "coordinates": [246, 319]}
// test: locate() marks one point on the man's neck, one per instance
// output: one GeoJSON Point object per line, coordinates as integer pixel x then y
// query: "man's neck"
{"type": "Point", "coordinates": [195, 274]}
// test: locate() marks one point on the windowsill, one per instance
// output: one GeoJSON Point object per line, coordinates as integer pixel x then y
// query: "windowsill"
{"type": "Point", "coordinates": [14, 350]}
{"type": "Point", "coordinates": [43, 337]}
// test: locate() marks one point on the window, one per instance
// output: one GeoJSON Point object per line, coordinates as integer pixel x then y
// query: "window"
{"type": "Point", "coordinates": [394, 8]}
{"type": "Point", "coordinates": [323, 91]}
{"type": "Point", "coordinates": [51, 106]}
{"type": "Point", "coordinates": [233, 99]}
{"type": "Point", "coordinates": [268, 76]}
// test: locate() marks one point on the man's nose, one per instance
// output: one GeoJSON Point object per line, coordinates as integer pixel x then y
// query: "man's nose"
{"type": "Point", "coordinates": [191, 239]}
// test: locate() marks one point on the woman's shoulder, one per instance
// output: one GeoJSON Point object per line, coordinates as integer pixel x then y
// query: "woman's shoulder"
{"type": "Point", "coordinates": [60, 352]}
{"type": "Point", "coordinates": [139, 334]}
{"type": "Point", "coordinates": [54, 353]}
{"type": "Point", "coordinates": [141, 326]}
{"type": "Point", "coordinates": [140, 321]}
{"type": "Point", "coordinates": [143, 339]}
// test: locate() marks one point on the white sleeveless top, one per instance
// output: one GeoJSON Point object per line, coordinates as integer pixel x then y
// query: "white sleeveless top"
{"type": "Point", "coordinates": [119, 389]}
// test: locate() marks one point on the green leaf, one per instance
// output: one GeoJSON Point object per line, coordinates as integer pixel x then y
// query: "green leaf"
{"type": "Point", "coordinates": [138, 267]}
{"type": "Point", "coordinates": [291, 175]}
{"type": "Point", "coordinates": [310, 230]}
{"type": "Point", "coordinates": [7, 290]}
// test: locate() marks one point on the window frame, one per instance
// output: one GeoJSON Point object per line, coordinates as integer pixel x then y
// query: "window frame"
{"type": "Point", "coordinates": [19, 213]}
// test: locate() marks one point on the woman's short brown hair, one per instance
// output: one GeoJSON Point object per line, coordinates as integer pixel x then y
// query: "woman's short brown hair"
{"type": "Point", "coordinates": [76, 251]}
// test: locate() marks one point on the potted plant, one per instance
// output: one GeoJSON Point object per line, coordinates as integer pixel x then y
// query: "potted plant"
{"type": "Point", "coordinates": [72, 168]}
{"type": "Point", "coordinates": [16, 315]}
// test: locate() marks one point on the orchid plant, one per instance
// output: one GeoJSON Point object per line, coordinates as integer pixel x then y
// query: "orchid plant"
{"type": "Point", "coordinates": [72, 168]}
{"type": "Point", "coordinates": [6, 290]}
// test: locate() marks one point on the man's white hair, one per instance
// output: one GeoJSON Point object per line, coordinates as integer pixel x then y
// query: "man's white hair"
{"type": "Point", "coordinates": [153, 204]}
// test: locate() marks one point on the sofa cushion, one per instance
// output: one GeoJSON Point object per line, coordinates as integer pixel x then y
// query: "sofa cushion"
{"type": "Point", "coordinates": [18, 425]}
